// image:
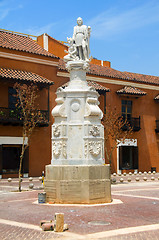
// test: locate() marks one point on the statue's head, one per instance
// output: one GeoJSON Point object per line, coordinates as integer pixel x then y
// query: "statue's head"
{"type": "Point", "coordinates": [79, 21]}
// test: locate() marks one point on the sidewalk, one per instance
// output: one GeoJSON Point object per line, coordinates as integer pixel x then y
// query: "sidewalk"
{"type": "Point", "coordinates": [133, 214]}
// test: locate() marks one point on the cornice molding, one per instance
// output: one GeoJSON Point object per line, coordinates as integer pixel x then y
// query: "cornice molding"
{"type": "Point", "coordinates": [27, 59]}
{"type": "Point", "coordinates": [113, 81]}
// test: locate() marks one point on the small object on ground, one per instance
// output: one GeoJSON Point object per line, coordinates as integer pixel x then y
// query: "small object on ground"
{"type": "Point", "coordinates": [140, 173]}
{"type": "Point", "coordinates": [30, 179]}
{"type": "Point", "coordinates": [130, 173]}
{"type": "Point", "coordinates": [47, 227]}
{"type": "Point", "coordinates": [154, 172]}
{"type": "Point", "coordinates": [59, 222]}
{"type": "Point", "coordinates": [129, 179]}
{"type": "Point", "coordinates": [137, 179]}
{"type": "Point", "coordinates": [40, 178]}
{"type": "Point", "coordinates": [42, 197]}
{"type": "Point", "coordinates": [149, 172]}
{"type": "Point", "coordinates": [145, 172]}
{"type": "Point", "coordinates": [31, 185]}
{"type": "Point", "coordinates": [121, 180]}
{"type": "Point", "coordinates": [65, 227]}
{"type": "Point", "coordinates": [113, 180]}
{"type": "Point", "coordinates": [45, 221]}
{"type": "Point", "coordinates": [9, 179]}
{"type": "Point", "coordinates": [145, 178]}
{"type": "Point", "coordinates": [119, 174]}
{"type": "Point", "coordinates": [114, 174]}
{"type": "Point", "coordinates": [158, 178]}
{"type": "Point", "coordinates": [152, 178]}
{"type": "Point", "coordinates": [135, 173]}
{"type": "Point", "coordinates": [124, 173]}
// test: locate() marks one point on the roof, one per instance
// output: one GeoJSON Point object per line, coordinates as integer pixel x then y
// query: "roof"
{"type": "Point", "coordinates": [93, 84]}
{"type": "Point", "coordinates": [112, 73]}
{"type": "Point", "coordinates": [23, 76]}
{"type": "Point", "coordinates": [22, 43]}
{"type": "Point", "coordinates": [131, 91]}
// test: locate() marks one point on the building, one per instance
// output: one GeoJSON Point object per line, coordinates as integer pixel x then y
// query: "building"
{"type": "Point", "coordinates": [136, 96]}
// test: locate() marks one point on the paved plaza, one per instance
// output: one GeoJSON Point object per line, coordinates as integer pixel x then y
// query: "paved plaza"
{"type": "Point", "coordinates": [133, 213]}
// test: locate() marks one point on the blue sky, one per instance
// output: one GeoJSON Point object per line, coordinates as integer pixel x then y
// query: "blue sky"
{"type": "Point", "coordinates": [124, 32]}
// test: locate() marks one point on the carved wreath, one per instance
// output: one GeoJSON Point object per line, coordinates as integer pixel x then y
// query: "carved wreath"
{"type": "Point", "coordinates": [95, 131]}
{"type": "Point", "coordinates": [95, 148]}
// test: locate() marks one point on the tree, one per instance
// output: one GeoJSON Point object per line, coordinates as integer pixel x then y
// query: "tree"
{"type": "Point", "coordinates": [113, 131]}
{"type": "Point", "coordinates": [27, 109]}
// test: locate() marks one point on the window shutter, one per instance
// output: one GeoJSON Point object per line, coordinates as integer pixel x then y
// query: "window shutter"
{"type": "Point", "coordinates": [135, 157]}
{"type": "Point", "coordinates": [120, 157]}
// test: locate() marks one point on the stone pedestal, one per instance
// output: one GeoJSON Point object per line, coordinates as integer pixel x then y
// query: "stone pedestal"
{"type": "Point", "coordinates": [78, 184]}
{"type": "Point", "coordinates": [77, 173]}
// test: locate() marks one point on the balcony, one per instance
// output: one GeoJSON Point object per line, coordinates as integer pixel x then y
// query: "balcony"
{"type": "Point", "coordinates": [134, 124]}
{"type": "Point", "coordinates": [157, 126]}
{"type": "Point", "coordinates": [10, 116]}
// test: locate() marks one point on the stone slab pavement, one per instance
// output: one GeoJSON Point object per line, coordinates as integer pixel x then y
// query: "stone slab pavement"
{"type": "Point", "coordinates": [133, 214]}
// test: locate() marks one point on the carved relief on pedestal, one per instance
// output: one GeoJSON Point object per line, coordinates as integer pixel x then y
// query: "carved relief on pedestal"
{"type": "Point", "coordinates": [64, 149]}
{"type": "Point", "coordinates": [56, 148]}
{"type": "Point", "coordinates": [56, 130]}
{"type": "Point", "coordinates": [94, 131]}
{"type": "Point", "coordinates": [75, 105]}
{"type": "Point", "coordinates": [95, 148]}
{"type": "Point", "coordinates": [85, 149]}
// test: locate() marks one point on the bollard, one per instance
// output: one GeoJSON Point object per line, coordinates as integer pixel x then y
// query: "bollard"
{"type": "Point", "coordinates": [129, 179]}
{"type": "Point", "coordinates": [59, 222]}
{"type": "Point", "coordinates": [121, 180]}
{"type": "Point", "coordinates": [31, 185]}
{"type": "Point", "coordinates": [9, 179]}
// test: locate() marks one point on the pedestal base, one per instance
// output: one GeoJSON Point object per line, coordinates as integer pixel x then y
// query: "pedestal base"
{"type": "Point", "coordinates": [78, 184]}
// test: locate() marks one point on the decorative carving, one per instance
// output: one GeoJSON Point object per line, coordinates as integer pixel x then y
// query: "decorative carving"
{"type": "Point", "coordinates": [56, 130]}
{"type": "Point", "coordinates": [56, 148]}
{"type": "Point", "coordinates": [64, 150]}
{"type": "Point", "coordinates": [95, 131]}
{"type": "Point", "coordinates": [95, 148]}
{"type": "Point", "coordinates": [85, 149]}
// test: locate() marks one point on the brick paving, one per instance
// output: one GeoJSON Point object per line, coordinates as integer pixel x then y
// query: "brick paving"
{"type": "Point", "coordinates": [138, 206]}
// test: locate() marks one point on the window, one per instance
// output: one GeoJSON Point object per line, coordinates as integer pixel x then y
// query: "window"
{"type": "Point", "coordinates": [126, 109]}
{"type": "Point", "coordinates": [10, 158]}
{"type": "Point", "coordinates": [12, 99]}
{"type": "Point", "coordinates": [128, 157]}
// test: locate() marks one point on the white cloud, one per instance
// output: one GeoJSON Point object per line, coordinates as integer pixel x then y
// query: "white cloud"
{"type": "Point", "coordinates": [6, 7]}
{"type": "Point", "coordinates": [115, 21]}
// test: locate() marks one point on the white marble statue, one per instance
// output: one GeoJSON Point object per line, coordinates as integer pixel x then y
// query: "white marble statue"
{"type": "Point", "coordinates": [79, 43]}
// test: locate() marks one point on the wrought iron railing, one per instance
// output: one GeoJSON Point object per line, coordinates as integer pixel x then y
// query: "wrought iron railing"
{"type": "Point", "coordinates": [134, 123]}
{"type": "Point", "coordinates": [157, 126]}
{"type": "Point", "coordinates": [15, 116]}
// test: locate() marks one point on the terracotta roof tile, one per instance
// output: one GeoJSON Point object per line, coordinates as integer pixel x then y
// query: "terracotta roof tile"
{"type": "Point", "coordinates": [131, 91]}
{"type": "Point", "coordinates": [93, 84]}
{"type": "Point", "coordinates": [22, 43]}
{"type": "Point", "coordinates": [23, 76]}
{"type": "Point", "coordinates": [112, 73]}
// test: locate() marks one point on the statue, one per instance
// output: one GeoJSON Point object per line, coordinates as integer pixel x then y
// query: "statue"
{"type": "Point", "coordinates": [79, 43]}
